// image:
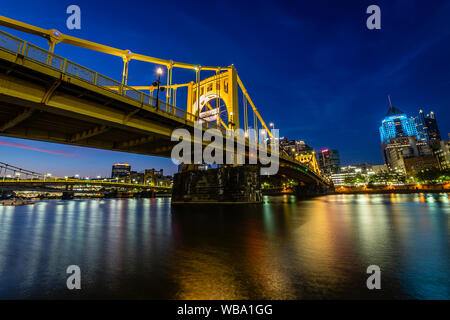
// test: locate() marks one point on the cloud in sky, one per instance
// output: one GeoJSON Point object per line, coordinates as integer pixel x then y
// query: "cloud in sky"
{"type": "Point", "coordinates": [27, 147]}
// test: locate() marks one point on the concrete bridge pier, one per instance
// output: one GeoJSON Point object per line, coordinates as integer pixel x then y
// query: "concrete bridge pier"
{"type": "Point", "coordinates": [68, 195]}
{"type": "Point", "coordinates": [312, 190]}
{"type": "Point", "coordinates": [226, 184]}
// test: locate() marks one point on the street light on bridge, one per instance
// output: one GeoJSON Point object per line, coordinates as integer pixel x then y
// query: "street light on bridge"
{"type": "Point", "coordinates": [157, 84]}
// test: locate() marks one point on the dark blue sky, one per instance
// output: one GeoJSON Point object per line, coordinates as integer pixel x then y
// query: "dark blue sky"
{"type": "Point", "coordinates": [311, 67]}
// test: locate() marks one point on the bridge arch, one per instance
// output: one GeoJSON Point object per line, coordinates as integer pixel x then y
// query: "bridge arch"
{"type": "Point", "coordinates": [222, 86]}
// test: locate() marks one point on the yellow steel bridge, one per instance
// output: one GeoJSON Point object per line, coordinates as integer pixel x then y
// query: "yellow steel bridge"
{"type": "Point", "coordinates": [46, 97]}
{"type": "Point", "coordinates": [13, 177]}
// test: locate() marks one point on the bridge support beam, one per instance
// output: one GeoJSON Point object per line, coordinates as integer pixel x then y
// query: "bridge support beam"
{"type": "Point", "coordinates": [225, 184]}
{"type": "Point", "coordinates": [18, 119]}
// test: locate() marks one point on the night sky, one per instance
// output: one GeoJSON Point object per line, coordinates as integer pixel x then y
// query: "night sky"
{"type": "Point", "coordinates": [311, 67]}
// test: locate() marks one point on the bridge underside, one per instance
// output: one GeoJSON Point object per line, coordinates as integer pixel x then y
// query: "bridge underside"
{"type": "Point", "coordinates": [37, 104]}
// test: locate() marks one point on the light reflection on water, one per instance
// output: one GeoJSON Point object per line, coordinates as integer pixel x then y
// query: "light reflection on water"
{"type": "Point", "coordinates": [281, 249]}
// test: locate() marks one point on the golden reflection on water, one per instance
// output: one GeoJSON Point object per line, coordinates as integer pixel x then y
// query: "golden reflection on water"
{"type": "Point", "coordinates": [282, 249]}
{"type": "Point", "coordinates": [321, 240]}
{"type": "Point", "coordinates": [205, 276]}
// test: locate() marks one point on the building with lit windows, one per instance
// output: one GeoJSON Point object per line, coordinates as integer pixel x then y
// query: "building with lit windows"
{"type": "Point", "coordinates": [120, 170]}
{"type": "Point", "coordinates": [402, 148]}
{"type": "Point", "coordinates": [404, 137]}
{"type": "Point", "coordinates": [427, 128]}
{"type": "Point", "coordinates": [396, 124]}
{"type": "Point", "coordinates": [443, 154]}
{"type": "Point", "coordinates": [295, 147]}
{"type": "Point", "coordinates": [329, 161]}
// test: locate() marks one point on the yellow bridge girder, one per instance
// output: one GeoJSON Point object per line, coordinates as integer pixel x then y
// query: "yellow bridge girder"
{"type": "Point", "coordinates": [309, 160]}
{"type": "Point", "coordinates": [62, 181]}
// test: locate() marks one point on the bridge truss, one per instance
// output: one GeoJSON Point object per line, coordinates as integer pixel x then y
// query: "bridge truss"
{"type": "Point", "coordinates": [14, 176]}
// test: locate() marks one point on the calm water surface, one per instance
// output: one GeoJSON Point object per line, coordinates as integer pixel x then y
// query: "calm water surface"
{"type": "Point", "coordinates": [282, 249]}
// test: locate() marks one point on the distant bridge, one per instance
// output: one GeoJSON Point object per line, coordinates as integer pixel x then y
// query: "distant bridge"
{"type": "Point", "coordinates": [15, 178]}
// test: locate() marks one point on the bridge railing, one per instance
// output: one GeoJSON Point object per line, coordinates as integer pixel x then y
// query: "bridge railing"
{"type": "Point", "coordinates": [18, 46]}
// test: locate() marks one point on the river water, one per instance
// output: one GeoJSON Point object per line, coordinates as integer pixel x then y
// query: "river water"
{"type": "Point", "coordinates": [282, 249]}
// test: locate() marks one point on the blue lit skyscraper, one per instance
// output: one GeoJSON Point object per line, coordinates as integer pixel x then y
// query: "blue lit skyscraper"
{"type": "Point", "coordinates": [396, 124]}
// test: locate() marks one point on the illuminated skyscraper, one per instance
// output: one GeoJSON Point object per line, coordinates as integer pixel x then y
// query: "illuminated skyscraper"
{"type": "Point", "coordinates": [427, 128]}
{"type": "Point", "coordinates": [396, 124]}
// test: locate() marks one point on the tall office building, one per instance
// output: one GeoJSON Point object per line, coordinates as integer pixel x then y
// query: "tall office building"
{"type": "Point", "coordinates": [120, 170]}
{"type": "Point", "coordinates": [396, 124]}
{"type": "Point", "coordinates": [406, 143]}
{"type": "Point", "coordinates": [427, 128]}
{"type": "Point", "coordinates": [329, 161]}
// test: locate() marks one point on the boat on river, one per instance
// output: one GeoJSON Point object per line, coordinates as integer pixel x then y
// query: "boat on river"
{"type": "Point", "coordinates": [16, 202]}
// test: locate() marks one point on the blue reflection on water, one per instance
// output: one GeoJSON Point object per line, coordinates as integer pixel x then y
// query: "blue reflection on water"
{"type": "Point", "coordinates": [281, 249]}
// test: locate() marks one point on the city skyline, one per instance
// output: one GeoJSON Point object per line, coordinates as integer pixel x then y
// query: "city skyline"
{"type": "Point", "coordinates": [369, 70]}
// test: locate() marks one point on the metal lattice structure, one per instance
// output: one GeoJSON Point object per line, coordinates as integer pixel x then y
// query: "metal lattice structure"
{"type": "Point", "coordinates": [14, 176]}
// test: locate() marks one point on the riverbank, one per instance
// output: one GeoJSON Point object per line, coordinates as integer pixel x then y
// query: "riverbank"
{"type": "Point", "coordinates": [422, 188]}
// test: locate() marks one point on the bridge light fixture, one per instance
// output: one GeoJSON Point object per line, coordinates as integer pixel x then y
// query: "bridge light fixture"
{"type": "Point", "coordinates": [159, 71]}
{"type": "Point", "coordinates": [49, 174]}
{"type": "Point", "coordinates": [66, 177]}
{"type": "Point", "coordinates": [77, 176]}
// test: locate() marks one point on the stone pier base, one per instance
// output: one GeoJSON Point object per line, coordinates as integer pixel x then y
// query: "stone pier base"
{"type": "Point", "coordinates": [239, 184]}
{"type": "Point", "coordinates": [68, 195]}
{"type": "Point", "coordinates": [312, 190]}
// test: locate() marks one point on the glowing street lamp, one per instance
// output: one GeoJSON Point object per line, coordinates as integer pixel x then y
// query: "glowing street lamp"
{"type": "Point", "coordinates": [157, 84]}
